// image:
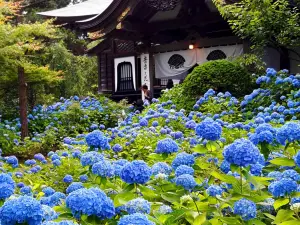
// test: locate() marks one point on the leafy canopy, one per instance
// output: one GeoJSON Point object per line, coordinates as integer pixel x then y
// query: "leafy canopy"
{"type": "Point", "coordinates": [20, 44]}
{"type": "Point", "coordinates": [264, 22]}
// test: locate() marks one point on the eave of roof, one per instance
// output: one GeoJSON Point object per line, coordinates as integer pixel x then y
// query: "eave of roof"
{"type": "Point", "coordinates": [85, 9]}
{"type": "Point", "coordinates": [110, 16]}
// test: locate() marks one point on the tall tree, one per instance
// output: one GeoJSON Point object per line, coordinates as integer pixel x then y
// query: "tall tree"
{"type": "Point", "coordinates": [20, 43]}
{"type": "Point", "coordinates": [273, 23]}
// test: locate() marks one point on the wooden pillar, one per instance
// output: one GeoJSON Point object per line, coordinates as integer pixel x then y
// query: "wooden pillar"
{"type": "Point", "coordinates": [147, 71]}
{"type": "Point", "coordinates": [99, 74]}
{"type": "Point", "coordinates": [23, 102]}
{"type": "Point", "coordinates": [152, 72]}
{"type": "Point", "coordinates": [246, 47]}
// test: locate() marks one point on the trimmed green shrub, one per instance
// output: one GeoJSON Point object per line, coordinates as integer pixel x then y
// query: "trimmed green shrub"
{"type": "Point", "coordinates": [221, 75]}
{"type": "Point", "coordinates": [179, 97]}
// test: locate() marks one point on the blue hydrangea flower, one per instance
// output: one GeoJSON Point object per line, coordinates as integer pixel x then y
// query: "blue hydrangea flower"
{"type": "Point", "coordinates": [30, 162]}
{"type": "Point", "coordinates": [292, 174]}
{"type": "Point", "coordinates": [265, 127]}
{"type": "Point", "coordinates": [55, 157]}
{"type": "Point", "coordinates": [7, 186]}
{"type": "Point", "coordinates": [264, 136]}
{"type": "Point", "coordinates": [256, 169]}
{"type": "Point", "coordinates": [76, 154]}
{"type": "Point", "coordinates": [241, 152]}
{"type": "Point", "coordinates": [53, 200]}
{"type": "Point", "coordinates": [191, 124]}
{"type": "Point", "coordinates": [24, 209]}
{"type": "Point", "coordinates": [20, 185]}
{"type": "Point", "coordinates": [165, 209]}
{"type": "Point", "coordinates": [40, 157]}
{"type": "Point", "coordinates": [143, 123]}
{"type": "Point", "coordinates": [13, 161]}
{"type": "Point", "coordinates": [161, 167]}
{"type": "Point", "coordinates": [19, 174]}
{"type": "Point", "coordinates": [275, 174]}
{"type": "Point", "coordinates": [282, 187]}
{"type": "Point", "coordinates": [90, 158]}
{"type": "Point", "coordinates": [56, 162]}
{"type": "Point", "coordinates": [74, 187]}
{"type": "Point", "coordinates": [209, 130]}
{"type": "Point", "coordinates": [26, 190]}
{"type": "Point", "coordinates": [96, 139]}
{"type": "Point", "coordinates": [118, 166]}
{"type": "Point", "coordinates": [135, 219]}
{"type": "Point", "coordinates": [259, 120]}
{"type": "Point", "coordinates": [48, 191]}
{"type": "Point", "coordinates": [138, 205]}
{"type": "Point", "coordinates": [166, 146]}
{"type": "Point", "coordinates": [68, 179]}
{"type": "Point", "coordinates": [183, 159]}
{"type": "Point", "coordinates": [136, 172]}
{"type": "Point", "coordinates": [186, 181]}
{"type": "Point", "coordinates": [225, 166]}
{"type": "Point", "coordinates": [49, 213]}
{"type": "Point", "coordinates": [103, 169]}
{"type": "Point", "coordinates": [117, 148]}
{"type": "Point", "coordinates": [289, 132]}
{"type": "Point", "coordinates": [214, 190]}
{"type": "Point", "coordinates": [245, 208]}
{"type": "Point", "coordinates": [155, 124]}
{"type": "Point", "coordinates": [90, 202]}
{"type": "Point", "coordinates": [83, 178]}
{"type": "Point", "coordinates": [183, 169]}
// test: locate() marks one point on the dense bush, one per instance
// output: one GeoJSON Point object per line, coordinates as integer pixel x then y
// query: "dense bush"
{"type": "Point", "coordinates": [48, 125]}
{"type": "Point", "coordinates": [178, 95]}
{"type": "Point", "coordinates": [224, 162]}
{"type": "Point", "coordinates": [220, 75]}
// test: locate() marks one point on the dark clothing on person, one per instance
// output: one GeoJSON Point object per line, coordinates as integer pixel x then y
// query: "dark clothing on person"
{"type": "Point", "coordinates": [139, 105]}
{"type": "Point", "coordinates": [148, 96]}
{"type": "Point", "coordinates": [170, 84]}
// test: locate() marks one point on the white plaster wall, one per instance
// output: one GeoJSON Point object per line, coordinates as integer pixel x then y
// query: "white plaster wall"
{"type": "Point", "coordinates": [117, 61]}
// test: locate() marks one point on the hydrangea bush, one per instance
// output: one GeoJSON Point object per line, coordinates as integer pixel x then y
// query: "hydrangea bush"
{"type": "Point", "coordinates": [225, 161]}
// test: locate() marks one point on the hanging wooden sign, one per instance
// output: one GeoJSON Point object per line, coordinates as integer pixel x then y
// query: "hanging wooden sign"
{"type": "Point", "coordinates": [163, 5]}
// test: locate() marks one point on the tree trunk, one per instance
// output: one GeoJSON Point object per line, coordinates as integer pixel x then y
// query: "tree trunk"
{"type": "Point", "coordinates": [23, 103]}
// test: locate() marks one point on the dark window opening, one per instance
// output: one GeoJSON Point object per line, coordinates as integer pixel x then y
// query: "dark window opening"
{"type": "Point", "coordinates": [125, 77]}
{"type": "Point", "coordinates": [160, 82]}
{"type": "Point", "coordinates": [215, 55]}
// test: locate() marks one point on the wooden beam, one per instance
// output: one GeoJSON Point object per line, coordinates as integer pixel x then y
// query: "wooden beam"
{"type": "Point", "coordinates": [149, 28]}
{"type": "Point", "coordinates": [125, 35]}
{"type": "Point", "coordinates": [199, 43]}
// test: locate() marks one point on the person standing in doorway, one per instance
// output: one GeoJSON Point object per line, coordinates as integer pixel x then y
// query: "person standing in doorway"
{"type": "Point", "coordinates": [147, 93]}
{"type": "Point", "coordinates": [170, 84]}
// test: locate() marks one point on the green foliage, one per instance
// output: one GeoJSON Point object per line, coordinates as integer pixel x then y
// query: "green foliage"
{"type": "Point", "coordinates": [252, 63]}
{"type": "Point", "coordinates": [220, 75]}
{"type": "Point", "coordinates": [261, 22]}
{"type": "Point", "coordinates": [51, 68]}
{"type": "Point", "coordinates": [179, 97]}
{"type": "Point", "coordinates": [80, 72]}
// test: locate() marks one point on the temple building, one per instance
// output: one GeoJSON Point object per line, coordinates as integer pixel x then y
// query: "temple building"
{"type": "Point", "coordinates": [154, 41]}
